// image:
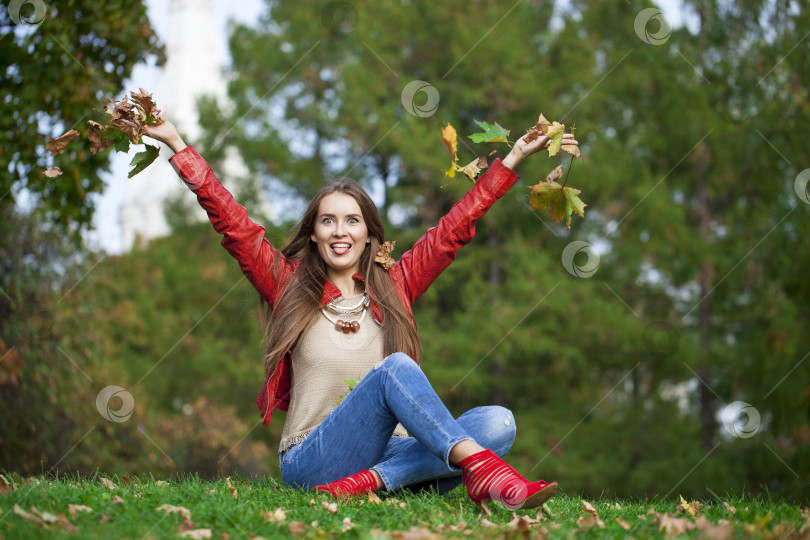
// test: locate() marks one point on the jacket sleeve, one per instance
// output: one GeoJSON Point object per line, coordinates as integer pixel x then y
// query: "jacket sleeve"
{"type": "Point", "coordinates": [434, 252]}
{"type": "Point", "coordinates": [244, 239]}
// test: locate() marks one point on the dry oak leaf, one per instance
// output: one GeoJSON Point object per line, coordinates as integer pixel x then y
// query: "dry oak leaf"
{"type": "Point", "coordinates": [108, 484]}
{"type": "Point", "coordinates": [57, 145]}
{"type": "Point", "coordinates": [52, 172]}
{"type": "Point", "coordinates": [276, 515]}
{"type": "Point", "coordinates": [146, 106]}
{"type": "Point", "coordinates": [592, 519]}
{"type": "Point", "coordinates": [231, 488]}
{"type": "Point", "coordinates": [384, 255]}
{"type": "Point", "coordinates": [196, 533]}
{"type": "Point", "coordinates": [721, 531]}
{"type": "Point", "coordinates": [624, 524]}
{"type": "Point", "coordinates": [76, 508]}
{"type": "Point", "coordinates": [416, 533]}
{"type": "Point", "coordinates": [297, 527]}
{"type": "Point", "coordinates": [185, 513]}
{"type": "Point", "coordinates": [472, 169]}
{"type": "Point", "coordinates": [94, 136]}
{"type": "Point", "coordinates": [674, 526]}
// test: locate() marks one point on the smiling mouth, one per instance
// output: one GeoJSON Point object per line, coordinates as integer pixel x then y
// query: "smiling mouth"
{"type": "Point", "coordinates": [340, 248]}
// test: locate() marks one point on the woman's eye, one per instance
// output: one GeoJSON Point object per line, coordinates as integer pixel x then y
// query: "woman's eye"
{"type": "Point", "coordinates": [354, 220]}
{"type": "Point", "coordinates": [326, 220]}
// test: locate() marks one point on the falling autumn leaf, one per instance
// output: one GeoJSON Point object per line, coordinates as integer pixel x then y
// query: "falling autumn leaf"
{"type": "Point", "coordinates": [94, 136]}
{"type": "Point", "coordinates": [384, 257]}
{"type": "Point", "coordinates": [450, 139]}
{"type": "Point", "coordinates": [57, 145]}
{"type": "Point", "coordinates": [492, 133]}
{"type": "Point", "coordinates": [472, 169]}
{"type": "Point", "coordinates": [52, 172]}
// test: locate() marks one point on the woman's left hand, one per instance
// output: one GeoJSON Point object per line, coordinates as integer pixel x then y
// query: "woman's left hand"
{"type": "Point", "coordinates": [522, 149]}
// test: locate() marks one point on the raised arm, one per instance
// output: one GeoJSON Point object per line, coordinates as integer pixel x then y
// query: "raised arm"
{"type": "Point", "coordinates": [419, 267]}
{"type": "Point", "coordinates": [264, 266]}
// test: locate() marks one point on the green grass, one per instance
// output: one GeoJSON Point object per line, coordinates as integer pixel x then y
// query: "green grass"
{"type": "Point", "coordinates": [130, 511]}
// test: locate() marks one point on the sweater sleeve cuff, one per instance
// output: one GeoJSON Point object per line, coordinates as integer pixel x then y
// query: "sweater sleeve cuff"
{"type": "Point", "coordinates": [190, 166]}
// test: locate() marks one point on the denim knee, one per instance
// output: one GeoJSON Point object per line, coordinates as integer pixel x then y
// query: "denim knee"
{"type": "Point", "coordinates": [499, 429]}
{"type": "Point", "coordinates": [398, 359]}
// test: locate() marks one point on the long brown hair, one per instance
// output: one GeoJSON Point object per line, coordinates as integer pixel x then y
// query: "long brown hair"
{"type": "Point", "coordinates": [303, 289]}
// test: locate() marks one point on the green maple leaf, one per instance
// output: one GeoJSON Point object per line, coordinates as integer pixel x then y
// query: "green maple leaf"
{"type": "Point", "coordinates": [492, 133]}
{"type": "Point", "coordinates": [560, 201]}
{"type": "Point", "coordinates": [351, 383]}
{"type": "Point", "coordinates": [142, 160]}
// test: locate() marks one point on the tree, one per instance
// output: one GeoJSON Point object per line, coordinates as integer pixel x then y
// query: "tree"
{"type": "Point", "coordinates": [60, 61]}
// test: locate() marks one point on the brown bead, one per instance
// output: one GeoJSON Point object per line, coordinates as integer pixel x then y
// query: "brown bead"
{"type": "Point", "coordinates": [339, 326]}
{"type": "Point", "coordinates": [355, 326]}
{"type": "Point", "coordinates": [347, 327]}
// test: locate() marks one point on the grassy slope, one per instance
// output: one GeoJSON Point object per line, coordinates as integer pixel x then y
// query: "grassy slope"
{"type": "Point", "coordinates": [130, 511]}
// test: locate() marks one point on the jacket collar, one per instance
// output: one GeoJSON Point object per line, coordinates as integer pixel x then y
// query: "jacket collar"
{"type": "Point", "coordinates": [331, 292]}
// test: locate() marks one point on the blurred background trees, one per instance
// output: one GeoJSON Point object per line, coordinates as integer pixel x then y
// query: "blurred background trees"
{"type": "Point", "coordinates": [619, 381]}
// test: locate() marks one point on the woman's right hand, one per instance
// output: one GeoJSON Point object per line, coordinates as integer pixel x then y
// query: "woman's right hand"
{"type": "Point", "coordinates": [165, 133]}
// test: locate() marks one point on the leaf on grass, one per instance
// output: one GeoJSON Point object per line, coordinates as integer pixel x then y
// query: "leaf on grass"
{"type": "Point", "coordinates": [76, 508]}
{"type": "Point", "coordinates": [117, 500]}
{"type": "Point", "coordinates": [415, 533]}
{"type": "Point", "coordinates": [729, 507]}
{"type": "Point", "coordinates": [690, 509]}
{"type": "Point", "coordinates": [231, 488]}
{"type": "Point", "coordinates": [297, 527]}
{"type": "Point", "coordinates": [331, 507]}
{"type": "Point", "coordinates": [142, 160]}
{"type": "Point", "coordinates": [57, 145]}
{"type": "Point", "coordinates": [347, 525]}
{"type": "Point", "coordinates": [276, 515]}
{"type": "Point", "coordinates": [492, 133]}
{"type": "Point", "coordinates": [624, 524]}
{"type": "Point", "coordinates": [52, 172]}
{"type": "Point", "coordinates": [108, 484]}
{"type": "Point", "coordinates": [560, 201]}
{"type": "Point", "coordinates": [45, 519]}
{"type": "Point", "coordinates": [674, 526]}
{"type": "Point", "coordinates": [185, 513]}
{"type": "Point", "coordinates": [591, 519]}
{"type": "Point", "coordinates": [196, 534]}
{"type": "Point", "coordinates": [374, 498]}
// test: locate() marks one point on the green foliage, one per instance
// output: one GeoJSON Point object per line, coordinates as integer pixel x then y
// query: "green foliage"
{"type": "Point", "coordinates": [142, 160]}
{"type": "Point", "coordinates": [54, 76]}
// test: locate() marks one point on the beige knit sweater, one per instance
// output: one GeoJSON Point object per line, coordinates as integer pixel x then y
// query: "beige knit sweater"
{"type": "Point", "coordinates": [321, 360]}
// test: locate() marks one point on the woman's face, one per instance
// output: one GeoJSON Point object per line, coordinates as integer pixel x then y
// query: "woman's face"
{"type": "Point", "coordinates": [340, 233]}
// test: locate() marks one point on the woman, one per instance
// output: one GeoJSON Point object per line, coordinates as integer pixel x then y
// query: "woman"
{"type": "Point", "coordinates": [319, 290]}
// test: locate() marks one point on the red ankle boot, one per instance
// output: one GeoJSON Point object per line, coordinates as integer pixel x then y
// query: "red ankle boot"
{"type": "Point", "coordinates": [488, 477]}
{"type": "Point", "coordinates": [351, 486]}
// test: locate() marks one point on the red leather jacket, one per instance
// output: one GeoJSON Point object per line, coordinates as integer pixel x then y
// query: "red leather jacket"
{"type": "Point", "coordinates": [412, 274]}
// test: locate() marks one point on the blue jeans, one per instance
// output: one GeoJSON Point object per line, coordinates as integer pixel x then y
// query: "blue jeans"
{"type": "Point", "coordinates": [357, 433]}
